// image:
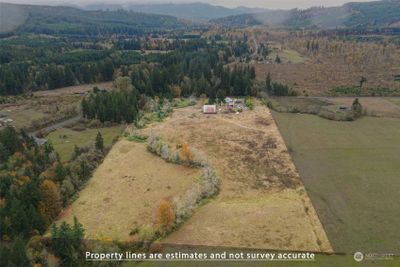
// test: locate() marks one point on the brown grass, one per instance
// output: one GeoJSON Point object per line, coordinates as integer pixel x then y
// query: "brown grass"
{"type": "Point", "coordinates": [75, 89]}
{"type": "Point", "coordinates": [126, 189]}
{"type": "Point", "coordinates": [262, 202]}
{"type": "Point", "coordinates": [318, 77]}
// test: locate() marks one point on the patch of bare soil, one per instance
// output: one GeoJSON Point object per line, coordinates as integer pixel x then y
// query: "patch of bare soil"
{"type": "Point", "coordinates": [262, 203]}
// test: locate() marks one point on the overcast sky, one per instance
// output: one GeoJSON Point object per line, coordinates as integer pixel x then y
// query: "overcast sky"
{"type": "Point", "coordinates": [273, 4]}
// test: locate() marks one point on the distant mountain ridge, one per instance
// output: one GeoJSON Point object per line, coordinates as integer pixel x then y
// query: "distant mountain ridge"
{"type": "Point", "coordinates": [384, 13]}
{"type": "Point", "coordinates": [191, 11]}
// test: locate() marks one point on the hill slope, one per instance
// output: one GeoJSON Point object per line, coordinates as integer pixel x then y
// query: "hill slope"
{"type": "Point", "coordinates": [192, 11]}
{"type": "Point", "coordinates": [68, 20]}
{"type": "Point", "coordinates": [370, 14]}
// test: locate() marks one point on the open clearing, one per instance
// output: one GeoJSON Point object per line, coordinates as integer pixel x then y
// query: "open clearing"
{"type": "Point", "coordinates": [76, 89]}
{"type": "Point", "coordinates": [262, 203]}
{"type": "Point", "coordinates": [64, 139]}
{"type": "Point", "coordinates": [318, 77]}
{"type": "Point", "coordinates": [351, 172]}
{"type": "Point", "coordinates": [125, 190]}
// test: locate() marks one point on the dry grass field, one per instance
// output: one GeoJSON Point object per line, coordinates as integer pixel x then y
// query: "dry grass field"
{"type": "Point", "coordinates": [47, 106]}
{"type": "Point", "coordinates": [125, 190]}
{"type": "Point", "coordinates": [336, 62]}
{"type": "Point", "coordinates": [77, 89]}
{"type": "Point", "coordinates": [318, 77]}
{"type": "Point", "coordinates": [262, 203]}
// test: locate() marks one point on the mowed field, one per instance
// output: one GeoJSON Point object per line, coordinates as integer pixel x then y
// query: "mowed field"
{"type": "Point", "coordinates": [262, 202]}
{"type": "Point", "coordinates": [65, 139]}
{"type": "Point", "coordinates": [351, 172]}
{"type": "Point", "coordinates": [125, 191]}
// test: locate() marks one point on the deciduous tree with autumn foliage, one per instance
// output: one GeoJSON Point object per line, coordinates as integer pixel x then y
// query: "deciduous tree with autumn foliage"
{"type": "Point", "coordinates": [165, 215]}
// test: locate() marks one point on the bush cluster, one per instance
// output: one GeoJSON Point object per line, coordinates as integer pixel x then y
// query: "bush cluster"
{"type": "Point", "coordinates": [207, 186]}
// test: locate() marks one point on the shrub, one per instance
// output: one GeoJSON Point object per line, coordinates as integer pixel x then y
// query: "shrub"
{"type": "Point", "coordinates": [207, 186]}
{"type": "Point", "coordinates": [95, 123]}
{"type": "Point", "coordinates": [164, 152]}
{"type": "Point", "coordinates": [209, 182]}
{"type": "Point", "coordinates": [146, 233]}
{"type": "Point", "coordinates": [185, 204]}
{"type": "Point", "coordinates": [356, 108]}
{"type": "Point", "coordinates": [186, 153]}
{"type": "Point", "coordinates": [249, 102]}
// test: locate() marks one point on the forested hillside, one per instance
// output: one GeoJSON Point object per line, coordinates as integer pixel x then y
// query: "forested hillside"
{"type": "Point", "coordinates": [368, 14]}
{"type": "Point", "coordinates": [73, 21]}
{"type": "Point", "coordinates": [191, 11]}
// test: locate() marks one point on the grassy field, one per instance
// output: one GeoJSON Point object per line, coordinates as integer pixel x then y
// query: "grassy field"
{"type": "Point", "coordinates": [24, 117]}
{"type": "Point", "coordinates": [351, 172]}
{"type": "Point", "coordinates": [320, 260]}
{"type": "Point", "coordinates": [64, 139]}
{"type": "Point", "coordinates": [287, 56]}
{"type": "Point", "coordinates": [125, 191]}
{"type": "Point", "coordinates": [262, 203]}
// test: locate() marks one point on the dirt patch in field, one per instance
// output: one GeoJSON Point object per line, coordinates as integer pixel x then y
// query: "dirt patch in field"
{"type": "Point", "coordinates": [262, 203]}
{"type": "Point", "coordinates": [125, 190]}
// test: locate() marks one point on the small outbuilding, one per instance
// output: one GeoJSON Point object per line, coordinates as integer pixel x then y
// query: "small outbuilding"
{"type": "Point", "coordinates": [210, 109]}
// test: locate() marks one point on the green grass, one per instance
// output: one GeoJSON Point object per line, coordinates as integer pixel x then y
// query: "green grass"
{"type": "Point", "coordinates": [64, 140]}
{"type": "Point", "coordinates": [351, 172]}
{"type": "Point", "coordinates": [320, 260]}
{"type": "Point", "coordinates": [137, 138]}
{"type": "Point", "coordinates": [364, 91]}
{"type": "Point", "coordinates": [298, 104]}
{"type": "Point", "coordinates": [182, 103]}
{"type": "Point", "coordinates": [288, 55]}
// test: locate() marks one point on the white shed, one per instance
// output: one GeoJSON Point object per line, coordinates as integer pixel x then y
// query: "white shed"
{"type": "Point", "coordinates": [209, 109]}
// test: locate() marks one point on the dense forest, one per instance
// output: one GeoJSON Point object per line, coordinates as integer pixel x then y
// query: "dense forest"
{"type": "Point", "coordinates": [35, 185]}
{"type": "Point", "coordinates": [48, 63]}
{"type": "Point", "coordinates": [196, 69]}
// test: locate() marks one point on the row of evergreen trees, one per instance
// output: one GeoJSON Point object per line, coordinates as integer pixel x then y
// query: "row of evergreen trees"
{"type": "Point", "coordinates": [21, 77]}
{"type": "Point", "coordinates": [116, 106]}
{"type": "Point", "coordinates": [278, 89]}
